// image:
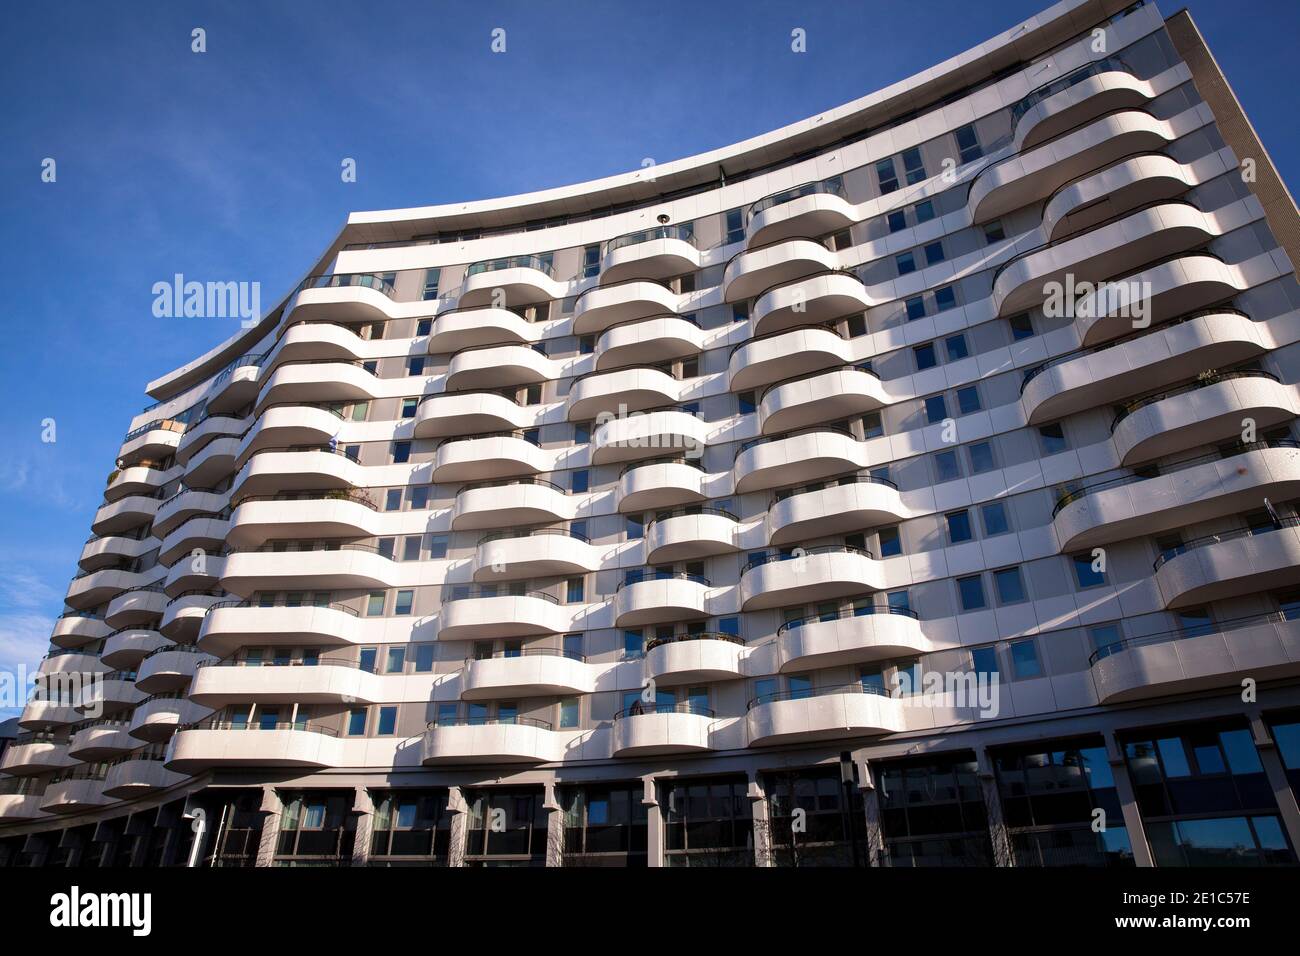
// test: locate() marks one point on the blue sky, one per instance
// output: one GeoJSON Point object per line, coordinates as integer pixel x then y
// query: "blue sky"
{"type": "Point", "coordinates": [225, 166]}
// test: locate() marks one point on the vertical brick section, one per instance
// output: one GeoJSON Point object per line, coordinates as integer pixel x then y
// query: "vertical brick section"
{"type": "Point", "coordinates": [1279, 207]}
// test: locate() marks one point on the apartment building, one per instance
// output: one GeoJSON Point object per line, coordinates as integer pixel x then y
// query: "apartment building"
{"type": "Point", "coordinates": [914, 485]}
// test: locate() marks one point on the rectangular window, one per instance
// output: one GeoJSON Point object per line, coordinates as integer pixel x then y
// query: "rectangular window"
{"type": "Point", "coordinates": [415, 365]}
{"type": "Point", "coordinates": [1021, 327]}
{"type": "Point", "coordinates": [971, 591]}
{"type": "Point", "coordinates": [409, 405]}
{"type": "Point", "coordinates": [387, 721]}
{"type": "Point", "coordinates": [934, 253]}
{"type": "Point", "coordinates": [871, 425]}
{"type": "Point", "coordinates": [579, 481]}
{"type": "Point", "coordinates": [574, 591]}
{"type": "Point", "coordinates": [367, 658]}
{"type": "Point", "coordinates": [959, 528]}
{"type": "Point", "coordinates": [411, 548]}
{"type": "Point", "coordinates": [735, 226]}
{"type": "Point", "coordinates": [936, 409]}
{"type": "Point", "coordinates": [437, 546]}
{"type": "Point", "coordinates": [633, 644]}
{"type": "Point", "coordinates": [924, 211]}
{"type": "Point", "coordinates": [913, 166]}
{"type": "Point", "coordinates": [906, 263]}
{"type": "Point", "coordinates": [925, 358]}
{"type": "Point", "coordinates": [993, 231]}
{"type": "Point", "coordinates": [431, 277]}
{"type": "Point", "coordinates": [915, 307]}
{"type": "Point", "coordinates": [968, 143]}
{"type": "Point", "coordinates": [423, 658]}
{"type": "Point", "coordinates": [393, 499]}
{"type": "Point", "coordinates": [946, 466]}
{"type": "Point", "coordinates": [635, 527]}
{"type": "Point", "coordinates": [581, 433]}
{"type": "Point", "coordinates": [395, 662]}
{"type": "Point", "coordinates": [945, 298]}
{"type": "Point", "coordinates": [957, 348]}
{"type": "Point", "coordinates": [896, 221]}
{"type": "Point", "coordinates": [405, 600]}
{"type": "Point", "coordinates": [423, 327]}
{"type": "Point", "coordinates": [357, 722]}
{"type": "Point", "coordinates": [1024, 659]}
{"type": "Point", "coordinates": [890, 542]}
{"type": "Point", "coordinates": [418, 496]}
{"type": "Point", "coordinates": [1053, 437]}
{"type": "Point", "coordinates": [375, 604]}
{"type": "Point", "coordinates": [590, 261]}
{"type": "Point", "coordinates": [1104, 635]}
{"type": "Point", "coordinates": [569, 713]}
{"type": "Point", "coordinates": [401, 452]}
{"type": "Point", "coordinates": [1084, 573]}
{"type": "Point", "coordinates": [1010, 585]}
{"type": "Point", "coordinates": [968, 399]}
{"type": "Point", "coordinates": [886, 175]}
{"type": "Point", "coordinates": [984, 661]}
{"type": "Point", "coordinates": [586, 344]}
{"type": "Point", "coordinates": [994, 515]}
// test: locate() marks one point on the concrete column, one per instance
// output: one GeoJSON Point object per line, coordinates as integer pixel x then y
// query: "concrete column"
{"type": "Point", "coordinates": [875, 834]}
{"type": "Point", "coordinates": [363, 807]}
{"type": "Point", "coordinates": [459, 827]}
{"type": "Point", "coordinates": [758, 809]}
{"type": "Point", "coordinates": [654, 822]}
{"type": "Point", "coordinates": [1266, 745]}
{"type": "Point", "coordinates": [271, 809]}
{"type": "Point", "coordinates": [554, 826]}
{"type": "Point", "coordinates": [998, 837]}
{"type": "Point", "coordinates": [1137, 834]}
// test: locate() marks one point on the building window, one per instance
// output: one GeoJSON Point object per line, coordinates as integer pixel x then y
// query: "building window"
{"type": "Point", "coordinates": [968, 143]}
{"type": "Point", "coordinates": [971, 591]}
{"type": "Point", "coordinates": [925, 358]}
{"type": "Point", "coordinates": [424, 658]}
{"type": "Point", "coordinates": [405, 601]}
{"type": "Point", "coordinates": [506, 827]}
{"type": "Point", "coordinates": [968, 399]}
{"type": "Point", "coordinates": [886, 175]}
{"type": "Point", "coordinates": [415, 365]}
{"type": "Point", "coordinates": [375, 604]}
{"type": "Point", "coordinates": [984, 662]}
{"type": "Point", "coordinates": [401, 452]}
{"type": "Point", "coordinates": [906, 262]}
{"type": "Point", "coordinates": [945, 298]}
{"type": "Point", "coordinates": [604, 826]}
{"type": "Point", "coordinates": [1053, 438]}
{"type": "Point", "coordinates": [707, 822]}
{"type": "Point", "coordinates": [915, 307]}
{"type": "Point", "coordinates": [913, 166]}
{"type": "Point", "coordinates": [959, 528]}
{"type": "Point", "coordinates": [1021, 327]}
{"type": "Point", "coordinates": [411, 548]}
{"type": "Point", "coordinates": [994, 515]}
{"type": "Point", "coordinates": [357, 722]}
{"type": "Point", "coordinates": [891, 544]}
{"type": "Point", "coordinates": [981, 457]}
{"type": "Point", "coordinates": [993, 231]}
{"type": "Point", "coordinates": [409, 405]}
{"type": "Point", "coordinates": [924, 211]}
{"type": "Point", "coordinates": [934, 253]}
{"type": "Point", "coordinates": [579, 481]}
{"type": "Point", "coordinates": [735, 226]}
{"type": "Point", "coordinates": [393, 499]}
{"type": "Point", "coordinates": [423, 326]}
{"type": "Point", "coordinates": [1009, 585]}
{"type": "Point", "coordinates": [590, 261]}
{"type": "Point", "coordinates": [633, 644]}
{"type": "Point", "coordinates": [946, 466]}
{"type": "Point", "coordinates": [871, 425]}
{"type": "Point", "coordinates": [1024, 659]}
{"type": "Point", "coordinates": [896, 221]}
{"type": "Point", "coordinates": [387, 722]}
{"type": "Point", "coordinates": [437, 544]}
{"type": "Point", "coordinates": [1084, 574]}
{"type": "Point", "coordinates": [431, 277]}
{"type": "Point", "coordinates": [932, 813]}
{"type": "Point", "coordinates": [936, 409]}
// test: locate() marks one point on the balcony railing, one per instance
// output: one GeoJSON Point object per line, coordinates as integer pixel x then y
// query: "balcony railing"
{"type": "Point", "coordinates": [770, 557]}
{"type": "Point", "coordinates": [653, 707]}
{"type": "Point", "coordinates": [1204, 382]}
{"type": "Point", "coordinates": [367, 280]}
{"type": "Point", "coordinates": [1199, 630]}
{"type": "Point", "coordinates": [1209, 539]}
{"type": "Point", "coordinates": [639, 576]}
{"type": "Point", "coordinates": [541, 264]}
{"type": "Point", "coordinates": [783, 493]}
{"type": "Point", "coordinates": [833, 186]}
{"type": "Point", "coordinates": [476, 721]}
{"type": "Point", "coordinates": [698, 636]}
{"type": "Point", "coordinates": [866, 610]}
{"type": "Point", "coordinates": [683, 231]}
{"type": "Point", "coordinates": [806, 692]}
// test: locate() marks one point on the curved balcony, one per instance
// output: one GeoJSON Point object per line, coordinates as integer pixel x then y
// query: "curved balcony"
{"type": "Point", "coordinates": [236, 386]}
{"type": "Point", "coordinates": [124, 514]}
{"type": "Point", "coordinates": [1124, 186]}
{"type": "Point", "coordinates": [646, 730]}
{"type": "Point", "coordinates": [862, 635]}
{"type": "Point", "coordinates": [1185, 283]}
{"type": "Point", "coordinates": [150, 442]}
{"type": "Point", "coordinates": [301, 383]}
{"type": "Point", "coordinates": [75, 629]}
{"type": "Point", "coordinates": [214, 744]}
{"type": "Point", "coordinates": [317, 342]}
{"type": "Point", "coordinates": [109, 693]}
{"type": "Point", "coordinates": [1201, 489]}
{"type": "Point", "coordinates": [169, 668]}
{"type": "Point", "coordinates": [138, 775]}
{"type": "Point", "coordinates": [620, 391]}
{"type": "Point", "coordinates": [834, 507]}
{"type": "Point", "coordinates": [484, 615]}
{"type": "Point", "coordinates": [820, 396]}
{"type": "Point", "coordinates": [519, 280]}
{"type": "Point", "coordinates": [541, 553]}
{"type": "Point", "coordinates": [348, 566]}
{"type": "Point", "coordinates": [660, 598]}
{"type": "Point", "coordinates": [1083, 94]}
{"type": "Point", "coordinates": [143, 480]}
{"type": "Point", "coordinates": [21, 799]}
{"type": "Point", "coordinates": [1032, 176]}
{"type": "Point", "coordinates": [498, 366]}
{"type": "Point", "coordinates": [503, 504]}
{"type": "Point", "coordinates": [231, 625]}
{"type": "Point", "coordinates": [533, 672]}
{"type": "Point", "coordinates": [777, 263]}
{"type": "Point", "coordinates": [785, 355]}
{"type": "Point", "coordinates": [1230, 564]}
{"type": "Point", "coordinates": [812, 209]}
{"type": "Point", "coordinates": [601, 307]}
{"type": "Point", "coordinates": [1165, 228]}
{"type": "Point", "coordinates": [184, 614]}
{"type": "Point", "coordinates": [104, 552]}
{"type": "Point", "coordinates": [355, 297]}
{"type": "Point", "coordinates": [125, 649]}
{"type": "Point", "coordinates": [472, 328]}
{"type": "Point", "coordinates": [35, 753]}
{"type": "Point", "coordinates": [139, 605]}
{"type": "Point", "coordinates": [1262, 647]}
{"type": "Point", "coordinates": [48, 712]}
{"type": "Point", "coordinates": [1140, 361]}
{"type": "Point", "coordinates": [71, 662]}
{"type": "Point", "coordinates": [214, 463]}
{"type": "Point", "coordinates": [187, 504]}
{"type": "Point", "coordinates": [461, 412]}
{"type": "Point", "coordinates": [659, 252]}
{"type": "Point", "coordinates": [206, 430]}
{"type": "Point", "coordinates": [661, 483]}
{"type": "Point", "coordinates": [93, 588]}
{"type": "Point", "coordinates": [806, 575]}
{"type": "Point", "coordinates": [289, 426]}
{"type": "Point", "coordinates": [655, 434]}
{"type": "Point", "coordinates": [797, 458]}
{"type": "Point", "coordinates": [693, 532]}
{"type": "Point", "coordinates": [662, 339]}
{"type": "Point", "coordinates": [334, 514]}
{"type": "Point", "coordinates": [221, 683]}
{"type": "Point", "coordinates": [827, 713]}
{"type": "Point", "coordinates": [694, 658]}
{"type": "Point", "coordinates": [201, 533]}
{"type": "Point", "coordinates": [101, 740]}
{"type": "Point", "coordinates": [76, 791]}
{"type": "Point", "coordinates": [1208, 410]}
{"type": "Point", "coordinates": [303, 468]}
{"type": "Point", "coordinates": [156, 718]}
{"type": "Point", "coordinates": [485, 457]}
{"type": "Point", "coordinates": [489, 740]}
